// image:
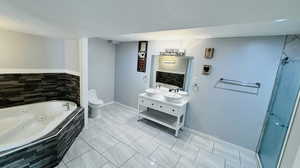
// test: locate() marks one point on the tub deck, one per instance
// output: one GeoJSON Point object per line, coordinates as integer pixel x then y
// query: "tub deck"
{"type": "Point", "coordinates": [49, 150]}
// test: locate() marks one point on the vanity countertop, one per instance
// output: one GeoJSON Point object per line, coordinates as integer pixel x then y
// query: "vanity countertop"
{"type": "Point", "coordinates": [160, 98]}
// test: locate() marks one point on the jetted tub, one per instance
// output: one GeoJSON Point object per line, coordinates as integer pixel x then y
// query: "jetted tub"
{"type": "Point", "coordinates": [21, 125]}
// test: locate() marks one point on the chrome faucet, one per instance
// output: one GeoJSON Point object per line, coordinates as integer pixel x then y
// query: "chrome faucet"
{"type": "Point", "coordinates": [175, 90]}
{"type": "Point", "coordinates": [67, 105]}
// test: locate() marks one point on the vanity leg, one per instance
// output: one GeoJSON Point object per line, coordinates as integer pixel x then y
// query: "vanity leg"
{"type": "Point", "coordinates": [177, 126]}
{"type": "Point", "coordinates": [139, 117]}
{"type": "Point", "coordinates": [176, 133]}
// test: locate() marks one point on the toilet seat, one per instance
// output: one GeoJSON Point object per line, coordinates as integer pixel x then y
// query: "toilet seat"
{"type": "Point", "coordinates": [94, 101]}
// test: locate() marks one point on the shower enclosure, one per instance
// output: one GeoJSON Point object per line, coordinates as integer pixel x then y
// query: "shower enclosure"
{"type": "Point", "coordinates": [282, 106]}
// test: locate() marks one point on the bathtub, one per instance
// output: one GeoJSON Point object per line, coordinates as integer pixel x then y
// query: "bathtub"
{"type": "Point", "coordinates": [25, 124]}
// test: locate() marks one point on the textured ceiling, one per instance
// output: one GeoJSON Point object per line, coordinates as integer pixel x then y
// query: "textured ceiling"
{"type": "Point", "coordinates": [114, 19]}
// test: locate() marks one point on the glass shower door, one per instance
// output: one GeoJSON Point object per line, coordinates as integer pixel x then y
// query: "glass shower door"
{"type": "Point", "coordinates": [280, 112]}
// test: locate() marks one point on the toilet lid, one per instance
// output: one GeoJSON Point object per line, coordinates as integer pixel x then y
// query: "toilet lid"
{"type": "Point", "coordinates": [95, 101]}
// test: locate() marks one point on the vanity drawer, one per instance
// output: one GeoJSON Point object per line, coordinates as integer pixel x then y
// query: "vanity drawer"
{"type": "Point", "coordinates": [159, 106]}
{"type": "Point", "coordinates": [173, 111]}
{"type": "Point", "coordinates": [164, 108]}
{"type": "Point", "coordinates": [153, 105]}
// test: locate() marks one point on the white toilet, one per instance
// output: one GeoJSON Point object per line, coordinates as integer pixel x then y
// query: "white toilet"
{"type": "Point", "coordinates": [94, 103]}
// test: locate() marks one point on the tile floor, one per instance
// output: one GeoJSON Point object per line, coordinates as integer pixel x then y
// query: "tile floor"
{"type": "Point", "coordinates": [117, 140]}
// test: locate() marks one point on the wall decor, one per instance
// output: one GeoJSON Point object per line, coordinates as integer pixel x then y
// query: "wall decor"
{"type": "Point", "coordinates": [142, 56]}
{"type": "Point", "coordinates": [206, 69]}
{"type": "Point", "coordinates": [20, 89]}
{"type": "Point", "coordinates": [209, 53]}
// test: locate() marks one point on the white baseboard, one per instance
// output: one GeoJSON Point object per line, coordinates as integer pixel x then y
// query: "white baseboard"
{"type": "Point", "coordinates": [134, 110]}
{"type": "Point", "coordinates": [196, 132]}
{"type": "Point", "coordinates": [108, 103]}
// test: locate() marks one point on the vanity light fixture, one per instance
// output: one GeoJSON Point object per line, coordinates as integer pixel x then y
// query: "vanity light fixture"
{"type": "Point", "coordinates": [169, 62]}
{"type": "Point", "coordinates": [173, 52]}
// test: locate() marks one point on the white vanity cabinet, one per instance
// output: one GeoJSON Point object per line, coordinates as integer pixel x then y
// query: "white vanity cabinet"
{"type": "Point", "coordinates": [157, 109]}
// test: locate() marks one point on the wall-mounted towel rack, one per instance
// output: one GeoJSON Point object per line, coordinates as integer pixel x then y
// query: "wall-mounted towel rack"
{"type": "Point", "coordinates": [238, 86]}
{"type": "Point", "coordinates": [240, 83]}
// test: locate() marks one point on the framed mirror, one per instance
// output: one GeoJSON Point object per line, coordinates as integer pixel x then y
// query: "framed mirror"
{"type": "Point", "coordinates": [172, 72]}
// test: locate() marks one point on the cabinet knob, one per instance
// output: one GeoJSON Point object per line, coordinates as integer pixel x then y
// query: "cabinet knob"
{"type": "Point", "coordinates": [152, 104]}
{"type": "Point", "coordinates": [173, 110]}
{"type": "Point", "coordinates": [161, 106]}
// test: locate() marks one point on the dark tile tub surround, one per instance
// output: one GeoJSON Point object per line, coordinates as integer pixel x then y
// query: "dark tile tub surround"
{"type": "Point", "coordinates": [49, 150]}
{"type": "Point", "coordinates": [170, 78]}
{"type": "Point", "coordinates": [20, 89]}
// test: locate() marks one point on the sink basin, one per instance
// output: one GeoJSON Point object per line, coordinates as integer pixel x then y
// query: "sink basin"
{"type": "Point", "coordinates": [151, 92]}
{"type": "Point", "coordinates": [173, 97]}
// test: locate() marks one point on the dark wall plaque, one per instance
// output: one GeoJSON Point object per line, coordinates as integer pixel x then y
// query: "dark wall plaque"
{"type": "Point", "coordinates": [142, 56]}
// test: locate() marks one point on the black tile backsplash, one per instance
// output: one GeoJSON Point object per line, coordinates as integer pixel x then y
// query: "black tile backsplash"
{"type": "Point", "coordinates": [20, 89]}
{"type": "Point", "coordinates": [170, 78]}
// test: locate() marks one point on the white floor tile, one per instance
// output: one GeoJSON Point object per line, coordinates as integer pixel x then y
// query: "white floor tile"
{"type": "Point", "coordinates": [125, 137]}
{"type": "Point", "coordinates": [78, 148]}
{"type": "Point", "coordinates": [145, 145]}
{"type": "Point", "coordinates": [150, 130]}
{"type": "Point", "coordinates": [249, 165]}
{"type": "Point", "coordinates": [185, 136]}
{"type": "Point", "coordinates": [165, 157]}
{"type": "Point", "coordinates": [166, 139]}
{"type": "Point", "coordinates": [61, 165]}
{"type": "Point", "coordinates": [139, 161]}
{"type": "Point", "coordinates": [248, 159]}
{"type": "Point", "coordinates": [121, 140]}
{"type": "Point", "coordinates": [119, 154]}
{"type": "Point", "coordinates": [108, 165]}
{"type": "Point", "coordinates": [232, 164]}
{"type": "Point", "coordinates": [133, 122]}
{"type": "Point", "coordinates": [226, 151]}
{"type": "Point", "coordinates": [133, 132]}
{"type": "Point", "coordinates": [102, 142]}
{"type": "Point", "coordinates": [92, 123]}
{"type": "Point", "coordinates": [186, 150]}
{"type": "Point", "coordinates": [90, 159]}
{"type": "Point", "coordinates": [90, 132]}
{"type": "Point", "coordinates": [104, 123]}
{"type": "Point", "coordinates": [202, 142]}
{"type": "Point", "coordinates": [187, 163]}
{"type": "Point", "coordinates": [210, 160]}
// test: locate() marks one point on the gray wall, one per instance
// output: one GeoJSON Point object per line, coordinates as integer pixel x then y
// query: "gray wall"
{"type": "Point", "coordinates": [231, 116]}
{"type": "Point", "coordinates": [25, 51]}
{"type": "Point", "coordinates": [101, 67]}
{"type": "Point", "coordinates": [72, 55]}
{"type": "Point", "coordinates": [128, 82]}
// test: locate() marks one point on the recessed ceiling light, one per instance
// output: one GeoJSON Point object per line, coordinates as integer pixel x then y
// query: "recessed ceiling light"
{"type": "Point", "coordinates": [280, 20]}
